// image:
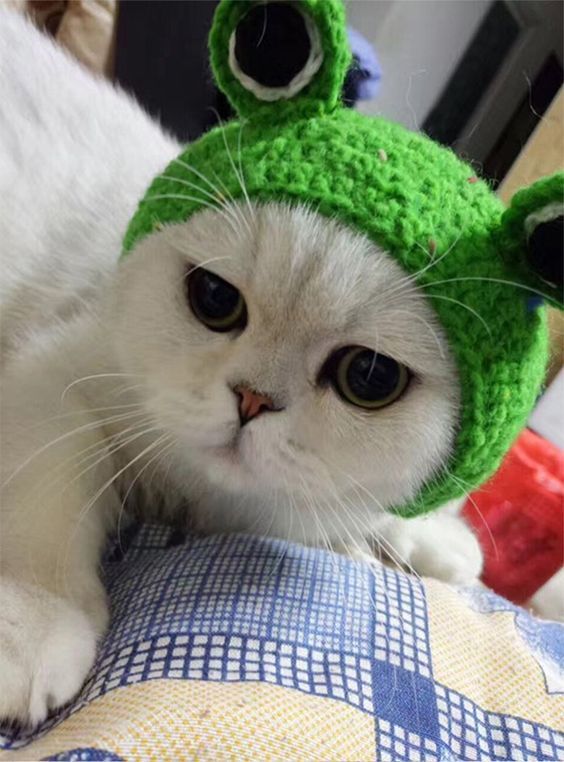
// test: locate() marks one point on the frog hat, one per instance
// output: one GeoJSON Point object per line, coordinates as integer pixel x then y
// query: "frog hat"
{"type": "Point", "coordinates": [282, 66]}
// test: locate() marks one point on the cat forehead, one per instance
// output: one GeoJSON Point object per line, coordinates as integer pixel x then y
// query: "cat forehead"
{"type": "Point", "coordinates": [310, 281]}
{"type": "Point", "coordinates": [289, 259]}
{"type": "Point", "coordinates": [310, 284]}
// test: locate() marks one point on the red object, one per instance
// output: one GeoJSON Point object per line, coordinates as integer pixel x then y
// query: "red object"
{"type": "Point", "coordinates": [519, 519]}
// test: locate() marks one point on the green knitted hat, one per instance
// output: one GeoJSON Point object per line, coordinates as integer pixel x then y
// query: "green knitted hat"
{"type": "Point", "coordinates": [282, 66]}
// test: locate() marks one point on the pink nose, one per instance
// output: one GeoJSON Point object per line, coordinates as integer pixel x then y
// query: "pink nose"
{"type": "Point", "coordinates": [251, 403]}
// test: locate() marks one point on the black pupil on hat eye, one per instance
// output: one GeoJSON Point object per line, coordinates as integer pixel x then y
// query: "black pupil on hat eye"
{"type": "Point", "coordinates": [272, 44]}
{"type": "Point", "coordinates": [545, 251]}
{"type": "Point", "coordinates": [212, 298]}
{"type": "Point", "coordinates": [372, 377]}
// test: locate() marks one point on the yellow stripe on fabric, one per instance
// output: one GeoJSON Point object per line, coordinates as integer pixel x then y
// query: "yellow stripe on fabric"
{"type": "Point", "coordinates": [185, 719]}
{"type": "Point", "coordinates": [483, 657]}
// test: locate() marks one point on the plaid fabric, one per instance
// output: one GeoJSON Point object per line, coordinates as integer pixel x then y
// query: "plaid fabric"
{"type": "Point", "coordinates": [241, 647]}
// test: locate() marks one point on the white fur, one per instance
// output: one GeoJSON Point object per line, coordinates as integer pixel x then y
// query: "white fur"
{"type": "Point", "coordinates": [75, 157]}
{"type": "Point", "coordinates": [111, 386]}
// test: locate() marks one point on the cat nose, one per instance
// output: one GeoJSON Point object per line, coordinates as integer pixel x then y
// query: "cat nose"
{"type": "Point", "coordinates": [251, 403]}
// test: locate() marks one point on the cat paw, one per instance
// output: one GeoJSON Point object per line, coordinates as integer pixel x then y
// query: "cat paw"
{"type": "Point", "coordinates": [440, 546]}
{"type": "Point", "coordinates": [47, 647]}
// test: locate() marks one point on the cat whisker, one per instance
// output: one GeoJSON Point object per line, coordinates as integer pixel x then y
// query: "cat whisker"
{"type": "Point", "coordinates": [202, 265]}
{"type": "Point", "coordinates": [100, 423]}
{"type": "Point", "coordinates": [62, 561]}
{"type": "Point", "coordinates": [501, 281]}
{"type": "Point", "coordinates": [299, 513]}
{"type": "Point", "coordinates": [187, 197]}
{"type": "Point", "coordinates": [198, 174]}
{"type": "Point", "coordinates": [430, 328]}
{"type": "Point", "coordinates": [215, 197]}
{"type": "Point", "coordinates": [101, 446]}
{"type": "Point", "coordinates": [466, 307]}
{"type": "Point", "coordinates": [83, 411]}
{"type": "Point", "coordinates": [98, 447]}
{"type": "Point", "coordinates": [91, 378]}
{"type": "Point", "coordinates": [241, 174]}
{"type": "Point", "coordinates": [408, 280]}
{"type": "Point", "coordinates": [285, 541]}
{"type": "Point", "coordinates": [326, 540]}
{"type": "Point", "coordinates": [99, 492]}
{"type": "Point", "coordinates": [116, 443]}
{"type": "Point", "coordinates": [166, 447]}
{"type": "Point", "coordinates": [241, 218]}
{"type": "Point", "coordinates": [226, 193]}
{"type": "Point", "coordinates": [125, 390]}
{"type": "Point", "coordinates": [238, 176]}
{"type": "Point", "coordinates": [353, 543]}
{"type": "Point", "coordinates": [386, 543]}
{"type": "Point", "coordinates": [222, 195]}
{"type": "Point", "coordinates": [218, 202]}
{"type": "Point", "coordinates": [273, 514]}
{"type": "Point", "coordinates": [479, 512]}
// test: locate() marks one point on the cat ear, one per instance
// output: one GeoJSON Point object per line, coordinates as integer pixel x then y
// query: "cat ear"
{"type": "Point", "coordinates": [533, 237]}
{"type": "Point", "coordinates": [280, 60]}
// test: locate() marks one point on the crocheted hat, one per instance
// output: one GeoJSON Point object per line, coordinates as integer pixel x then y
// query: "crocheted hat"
{"type": "Point", "coordinates": [282, 65]}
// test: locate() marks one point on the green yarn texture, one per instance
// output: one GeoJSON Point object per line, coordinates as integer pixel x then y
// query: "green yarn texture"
{"type": "Point", "coordinates": [512, 236]}
{"type": "Point", "coordinates": [323, 94]}
{"type": "Point", "coordinates": [410, 196]}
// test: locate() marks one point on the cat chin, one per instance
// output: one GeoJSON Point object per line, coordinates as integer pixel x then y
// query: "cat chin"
{"type": "Point", "coordinates": [231, 469]}
{"type": "Point", "coordinates": [228, 468]}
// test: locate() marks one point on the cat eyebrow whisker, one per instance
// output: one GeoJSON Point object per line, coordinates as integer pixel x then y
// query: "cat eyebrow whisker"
{"type": "Point", "coordinates": [432, 331]}
{"type": "Point", "coordinates": [217, 198]}
{"type": "Point", "coordinates": [235, 206]}
{"type": "Point", "coordinates": [218, 193]}
{"type": "Point", "coordinates": [238, 175]}
{"type": "Point", "coordinates": [487, 280]}
{"type": "Point", "coordinates": [186, 183]}
{"type": "Point", "coordinates": [467, 307]}
{"type": "Point", "coordinates": [412, 279]}
{"type": "Point", "coordinates": [241, 175]}
{"type": "Point", "coordinates": [187, 197]}
{"type": "Point", "coordinates": [200, 265]}
{"type": "Point", "coordinates": [197, 173]}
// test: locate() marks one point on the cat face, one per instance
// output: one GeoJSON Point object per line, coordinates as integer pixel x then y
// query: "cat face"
{"type": "Point", "coordinates": [315, 310]}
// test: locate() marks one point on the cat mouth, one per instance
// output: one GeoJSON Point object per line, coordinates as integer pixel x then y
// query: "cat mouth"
{"type": "Point", "coordinates": [232, 455]}
{"type": "Point", "coordinates": [229, 453]}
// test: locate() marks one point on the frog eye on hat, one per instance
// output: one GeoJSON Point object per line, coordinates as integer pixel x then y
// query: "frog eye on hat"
{"type": "Point", "coordinates": [545, 244]}
{"type": "Point", "coordinates": [275, 51]}
{"type": "Point", "coordinates": [532, 241]}
{"type": "Point", "coordinates": [280, 59]}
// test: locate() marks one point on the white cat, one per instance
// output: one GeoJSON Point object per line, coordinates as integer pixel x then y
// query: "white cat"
{"type": "Point", "coordinates": [137, 378]}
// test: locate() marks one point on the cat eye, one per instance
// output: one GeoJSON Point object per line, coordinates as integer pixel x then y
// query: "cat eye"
{"type": "Point", "coordinates": [215, 302]}
{"type": "Point", "coordinates": [366, 378]}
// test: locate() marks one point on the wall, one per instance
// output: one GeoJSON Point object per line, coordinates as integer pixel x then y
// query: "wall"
{"type": "Point", "coordinates": [418, 43]}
